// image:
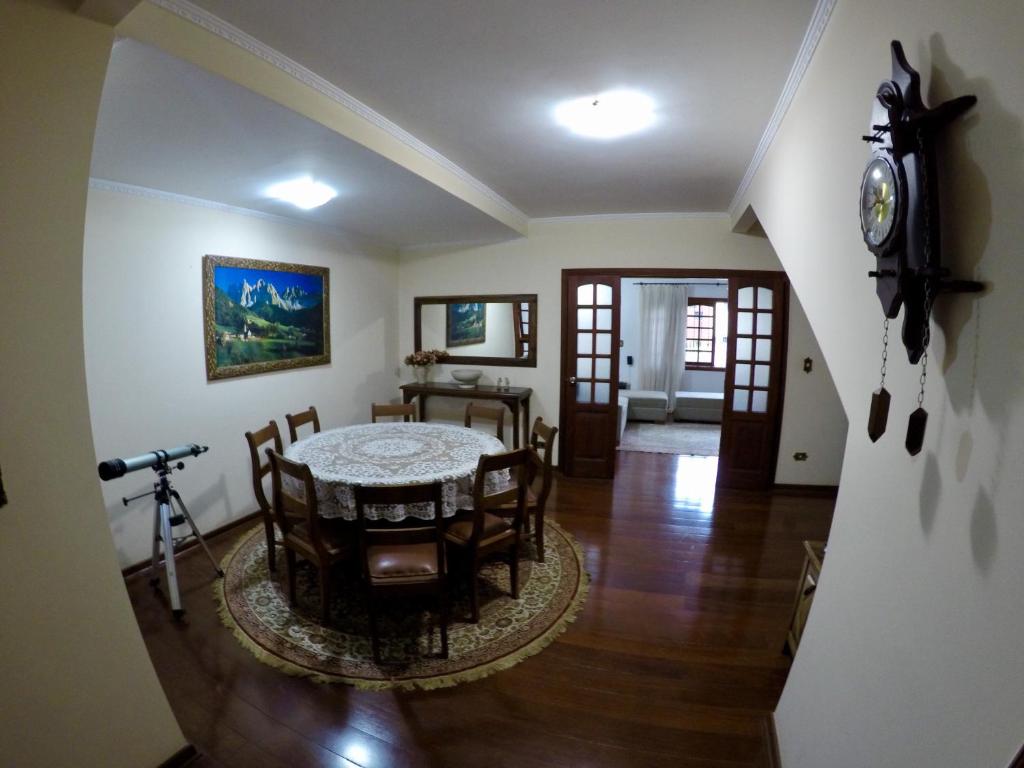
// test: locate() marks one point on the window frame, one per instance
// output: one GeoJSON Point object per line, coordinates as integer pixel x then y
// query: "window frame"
{"type": "Point", "coordinates": [708, 302]}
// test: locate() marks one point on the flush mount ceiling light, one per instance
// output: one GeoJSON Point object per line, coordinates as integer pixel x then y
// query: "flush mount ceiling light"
{"type": "Point", "coordinates": [302, 192]}
{"type": "Point", "coordinates": [608, 115]}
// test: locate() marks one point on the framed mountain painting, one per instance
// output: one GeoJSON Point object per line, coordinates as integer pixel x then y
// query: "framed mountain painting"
{"type": "Point", "coordinates": [263, 316]}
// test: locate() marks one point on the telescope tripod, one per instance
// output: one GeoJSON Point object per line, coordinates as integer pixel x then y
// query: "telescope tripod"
{"type": "Point", "coordinates": [164, 519]}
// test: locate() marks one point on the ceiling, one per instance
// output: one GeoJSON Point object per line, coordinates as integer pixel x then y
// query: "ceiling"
{"type": "Point", "coordinates": [477, 82]}
{"type": "Point", "coordinates": [166, 124]}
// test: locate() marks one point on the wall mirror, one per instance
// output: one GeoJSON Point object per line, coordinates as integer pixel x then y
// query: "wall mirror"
{"type": "Point", "coordinates": [479, 330]}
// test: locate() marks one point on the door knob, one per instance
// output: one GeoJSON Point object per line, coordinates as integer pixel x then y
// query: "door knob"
{"type": "Point", "coordinates": [572, 379]}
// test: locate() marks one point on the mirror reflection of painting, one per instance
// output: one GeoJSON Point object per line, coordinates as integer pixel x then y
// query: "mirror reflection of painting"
{"type": "Point", "coordinates": [478, 329]}
{"type": "Point", "coordinates": [466, 324]}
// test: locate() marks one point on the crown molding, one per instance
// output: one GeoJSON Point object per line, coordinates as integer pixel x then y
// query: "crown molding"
{"type": "Point", "coordinates": [657, 216]}
{"type": "Point", "coordinates": [217, 26]}
{"type": "Point", "coordinates": [148, 193]}
{"type": "Point", "coordinates": [815, 29]}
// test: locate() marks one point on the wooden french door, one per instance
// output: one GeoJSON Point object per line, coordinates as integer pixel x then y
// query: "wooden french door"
{"type": "Point", "coordinates": [754, 383]}
{"type": "Point", "coordinates": [590, 374]}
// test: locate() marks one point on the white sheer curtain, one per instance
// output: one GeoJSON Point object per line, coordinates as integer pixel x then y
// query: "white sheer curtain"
{"type": "Point", "coordinates": [662, 354]}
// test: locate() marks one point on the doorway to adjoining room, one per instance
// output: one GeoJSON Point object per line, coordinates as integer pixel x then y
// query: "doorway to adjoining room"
{"type": "Point", "coordinates": [674, 332]}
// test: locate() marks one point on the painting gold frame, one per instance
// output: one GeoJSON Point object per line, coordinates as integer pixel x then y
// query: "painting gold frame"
{"type": "Point", "coordinates": [308, 275]}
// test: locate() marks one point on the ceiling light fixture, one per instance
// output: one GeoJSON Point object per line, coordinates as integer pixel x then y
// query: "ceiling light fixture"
{"type": "Point", "coordinates": [302, 192]}
{"type": "Point", "coordinates": [608, 115]}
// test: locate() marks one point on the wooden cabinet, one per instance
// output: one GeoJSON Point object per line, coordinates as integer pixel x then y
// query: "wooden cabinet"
{"type": "Point", "coordinates": [814, 553]}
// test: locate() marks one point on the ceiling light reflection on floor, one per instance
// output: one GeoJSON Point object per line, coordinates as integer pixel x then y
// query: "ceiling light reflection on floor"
{"type": "Point", "coordinates": [303, 192]}
{"type": "Point", "coordinates": [357, 753]}
{"type": "Point", "coordinates": [695, 483]}
{"type": "Point", "coordinates": [608, 115]}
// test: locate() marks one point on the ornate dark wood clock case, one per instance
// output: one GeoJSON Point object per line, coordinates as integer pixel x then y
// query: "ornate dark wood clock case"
{"type": "Point", "coordinates": [899, 211]}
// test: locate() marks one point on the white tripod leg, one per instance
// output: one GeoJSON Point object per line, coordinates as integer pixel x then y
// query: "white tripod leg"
{"type": "Point", "coordinates": [172, 574]}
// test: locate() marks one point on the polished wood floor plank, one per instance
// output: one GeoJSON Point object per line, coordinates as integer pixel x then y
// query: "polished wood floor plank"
{"type": "Point", "coordinates": [675, 659]}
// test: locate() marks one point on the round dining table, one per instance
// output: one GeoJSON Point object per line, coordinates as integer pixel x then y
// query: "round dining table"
{"type": "Point", "coordinates": [398, 453]}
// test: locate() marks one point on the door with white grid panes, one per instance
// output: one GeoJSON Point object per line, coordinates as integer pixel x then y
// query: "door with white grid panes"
{"type": "Point", "coordinates": [590, 371]}
{"type": "Point", "coordinates": [753, 385]}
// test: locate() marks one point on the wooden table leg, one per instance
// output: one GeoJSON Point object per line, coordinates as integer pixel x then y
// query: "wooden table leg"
{"type": "Point", "coordinates": [526, 421]}
{"type": "Point", "coordinates": [513, 406]}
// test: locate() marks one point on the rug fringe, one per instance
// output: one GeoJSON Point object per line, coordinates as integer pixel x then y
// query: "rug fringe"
{"type": "Point", "coordinates": [425, 684]}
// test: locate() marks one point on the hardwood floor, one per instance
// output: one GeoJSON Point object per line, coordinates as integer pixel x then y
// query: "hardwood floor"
{"type": "Point", "coordinates": [675, 659]}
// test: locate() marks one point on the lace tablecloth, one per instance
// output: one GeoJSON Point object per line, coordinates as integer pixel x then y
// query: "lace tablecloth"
{"type": "Point", "coordinates": [396, 454]}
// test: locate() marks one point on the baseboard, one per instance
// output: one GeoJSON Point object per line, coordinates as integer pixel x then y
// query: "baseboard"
{"type": "Point", "coordinates": [135, 568]}
{"type": "Point", "coordinates": [771, 739]}
{"type": "Point", "coordinates": [181, 758]}
{"type": "Point", "coordinates": [794, 489]}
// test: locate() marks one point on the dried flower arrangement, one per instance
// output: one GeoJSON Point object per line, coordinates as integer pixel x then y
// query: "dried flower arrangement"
{"type": "Point", "coordinates": [425, 357]}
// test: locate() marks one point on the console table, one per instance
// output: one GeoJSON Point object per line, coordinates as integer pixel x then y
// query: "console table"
{"type": "Point", "coordinates": [516, 398]}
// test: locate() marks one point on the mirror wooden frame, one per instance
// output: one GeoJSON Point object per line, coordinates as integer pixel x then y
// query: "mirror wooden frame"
{"type": "Point", "coordinates": [530, 361]}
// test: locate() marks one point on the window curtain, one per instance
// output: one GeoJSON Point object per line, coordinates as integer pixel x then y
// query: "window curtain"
{"type": "Point", "coordinates": [662, 354]}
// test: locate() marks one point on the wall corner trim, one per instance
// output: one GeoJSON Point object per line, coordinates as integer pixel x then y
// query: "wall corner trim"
{"type": "Point", "coordinates": [217, 26]}
{"type": "Point", "coordinates": [815, 29]}
{"type": "Point", "coordinates": [181, 758]}
{"type": "Point", "coordinates": [771, 741]}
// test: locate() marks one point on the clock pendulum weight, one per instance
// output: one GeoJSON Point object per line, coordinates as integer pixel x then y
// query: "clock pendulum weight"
{"type": "Point", "coordinates": [879, 414]}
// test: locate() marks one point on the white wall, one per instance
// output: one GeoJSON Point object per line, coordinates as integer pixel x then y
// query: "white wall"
{"type": "Point", "coordinates": [813, 419]}
{"type": "Point", "coordinates": [535, 264]}
{"type": "Point", "coordinates": [77, 684]}
{"type": "Point", "coordinates": [912, 653]}
{"type": "Point", "coordinates": [145, 356]}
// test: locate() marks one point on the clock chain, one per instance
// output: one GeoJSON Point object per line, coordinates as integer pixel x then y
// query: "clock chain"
{"type": "Point", "coordinates": [878, 416]}
{"type": "Point", "coordinates": [918, 421]}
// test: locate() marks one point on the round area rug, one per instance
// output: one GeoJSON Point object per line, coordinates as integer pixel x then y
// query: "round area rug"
{"type": "Point", "coordinates": [254, 605]}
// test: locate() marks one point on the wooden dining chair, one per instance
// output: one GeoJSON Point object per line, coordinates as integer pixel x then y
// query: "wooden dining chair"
{"type": "Point", "coordinates": [296, 420]}
{"type": "Point", "coordinates": [303, 531]}
{"type": "Point", "coordinates": [488, 413]}
{"type": "Point", "coordinates": [490, 528]}
{"type": "Point", "coordinates": [399, 561]}
{"type": "Point", "coordinates": [539, 473]}
{"type": "Point", "coordinates": [406, 410]}
{"type": "Point", "coordinates": [269, 435]}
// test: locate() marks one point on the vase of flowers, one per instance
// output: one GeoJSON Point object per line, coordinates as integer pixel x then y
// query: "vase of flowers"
{"type": "Point", "coordinates": [421, 360]}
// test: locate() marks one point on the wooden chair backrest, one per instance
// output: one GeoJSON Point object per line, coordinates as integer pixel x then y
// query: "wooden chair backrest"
{"type": "Point", "coordinates": [374, 533]}
{"type": "Point", "coordinates": [517, 463]}
{"type": "Point", "coordinates": [406, 410]}
{"type": "Point", "coordinates": [542, 436]}
{"type": "Point", "coordinates": [260, 469]}
{"type": "Point", "coordinates": [296, 420]}
{"type": "Point", "coordinates": [290, 508]}
{"type": "Point", "coordinates": [497, 415]}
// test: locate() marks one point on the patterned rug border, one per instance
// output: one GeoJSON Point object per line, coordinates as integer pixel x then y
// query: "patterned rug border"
{"type": "Point", "coordinates": [433, 682]}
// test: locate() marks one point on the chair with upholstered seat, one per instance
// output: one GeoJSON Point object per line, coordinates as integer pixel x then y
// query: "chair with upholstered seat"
{"type": "Point", "coordinates": [407, 411]}
{"type": "Point", "coordinates": [483, 533]}
{"type": "Point", "coordinates": [488, 413]}
{"type": "Point", "coordinates": [257, 441]}
{"type": "Point", "coordinates": [303, 531]}
{"type": "Point", "coordinates": [296, 420]}
{"type": "Point", "coordinates": [398, 561]}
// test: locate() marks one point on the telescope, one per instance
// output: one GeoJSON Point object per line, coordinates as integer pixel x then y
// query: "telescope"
{"type": "Point", "coordinates": [112, 468]}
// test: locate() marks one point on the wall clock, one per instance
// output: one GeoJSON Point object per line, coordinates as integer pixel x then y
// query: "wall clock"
{"type": "Point", "coordinates": [899, 217]}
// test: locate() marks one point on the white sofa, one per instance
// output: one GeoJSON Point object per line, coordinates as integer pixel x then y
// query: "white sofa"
{"type": "Point", "coordinates": [646, 405]}
{"type": "Point", "coordinates": [699, 406]}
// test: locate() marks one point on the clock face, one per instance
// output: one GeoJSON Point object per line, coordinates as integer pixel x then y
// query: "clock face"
{"type": "Point", "coordinates": [878, 201]}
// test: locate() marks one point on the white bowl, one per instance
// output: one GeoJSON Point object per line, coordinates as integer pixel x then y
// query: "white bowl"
{"type": "Point", "coordinates": [467, 377]}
